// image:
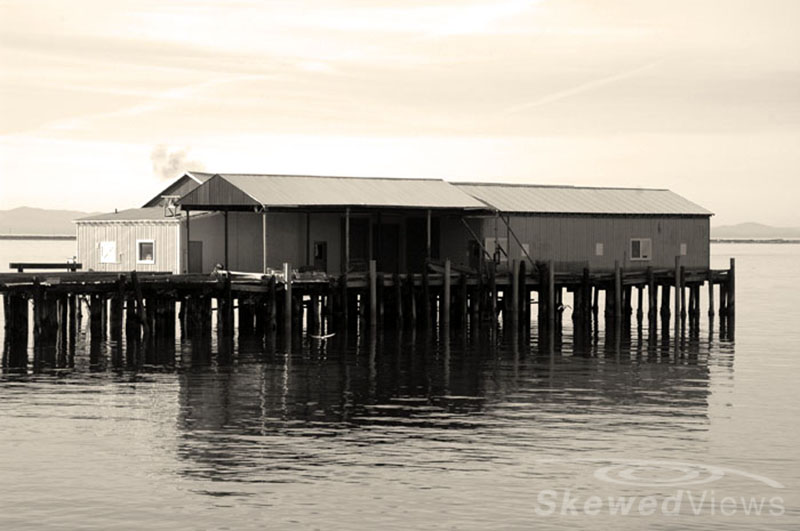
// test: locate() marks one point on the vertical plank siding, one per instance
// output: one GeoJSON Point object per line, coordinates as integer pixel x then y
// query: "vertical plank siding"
{"type": "Point", "coordinates": [564, 239]}
{"type": "Point", "coordinates": [125, 234]}
{"type": "Point", "coordinates": [572, 239]}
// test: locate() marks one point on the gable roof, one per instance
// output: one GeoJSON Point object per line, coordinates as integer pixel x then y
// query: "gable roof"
{"type": "Point", "coordinates": [181, 186]}
{"type": "Point", "coordinates": [539, 199]}
{"type": "Point", "coordinates": [317, 191]}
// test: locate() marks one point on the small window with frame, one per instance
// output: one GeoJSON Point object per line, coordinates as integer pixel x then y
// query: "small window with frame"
{"type": "Point", "coordinates": [108, 252]}
{"type": "Point", "coordinates": [641, 249]}
{"type": "Point", "coordinates": [145, 252]}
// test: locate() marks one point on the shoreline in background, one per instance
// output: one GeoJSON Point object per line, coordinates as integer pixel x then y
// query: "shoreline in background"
{"type": "Point", "coordinates": [37, 237]}
{"type": "Point", "coordinates": [713, 240]}
{"type": "Point", "coordinates": [755, 240]}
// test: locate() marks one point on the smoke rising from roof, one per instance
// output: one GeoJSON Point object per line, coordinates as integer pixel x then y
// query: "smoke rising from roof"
{"type": "Point", "coordinates": [170, 163]}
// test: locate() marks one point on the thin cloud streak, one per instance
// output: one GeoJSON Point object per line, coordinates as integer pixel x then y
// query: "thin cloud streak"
{"type": "Point", "coordinates": [157, 102]}
{"type": "Point", "coordinates": [582, 88]}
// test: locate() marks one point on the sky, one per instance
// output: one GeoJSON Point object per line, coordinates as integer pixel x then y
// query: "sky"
{"type": "Point", "coordinates": [101, 103]}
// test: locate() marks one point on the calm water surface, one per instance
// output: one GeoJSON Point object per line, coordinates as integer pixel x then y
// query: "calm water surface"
{"type": "Point", "coordinates": [414, 431]}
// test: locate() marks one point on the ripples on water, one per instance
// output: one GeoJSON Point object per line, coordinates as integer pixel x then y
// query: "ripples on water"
{"type": "Point", "coordinates": [409, 430]}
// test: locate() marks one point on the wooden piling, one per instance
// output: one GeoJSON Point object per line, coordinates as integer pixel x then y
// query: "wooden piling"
{"type": "Point", "coordinates": [683, 297]}
{"type": "Point", "coordinates": [445, 308]}
{"type": "Point", "coordinates": [412, 302]}
{"type": "Point", "coordinates": [73, 319]}
{"type": "Point", "coordinates": [96, 317]}
{"type": "Point", "coordinates": [558, 310]}
{"type": "Point", "coordinates": [627, 308]}
{"type": "Point", "coordinates": [493, 293]}
{"type": "Point", "coordinates": [585, 312]}
{"type": "Point", "coordinates": [141, 311]}
{"type": "Point", "coordinates": [478, 305]}
{"type": "Point", "coordinates": [426, 296]}
{"type": "Point", "coordinates": [373, 293]}
{"type": "Point", "coordinates": [639, 305]}
{"type": "Point", "coordinates": [514, 309]}
{"type": "Point", "coordinates": [551, 297]}
{"type": "Point", "coordinates": [15, 352]}
{"type": "Point", "coordinates": [617, 291]}
{"type": "Point", "coordinates": [344, 301]}
{"type": "Point", "coordinates": [523, 311]}
{"type": "Point", "coordinates": [463, 298]}
{"type": "Point", "coordinates": [116, 311]}
{"type": "Point", "coordinates": [312, 314]}
{"type": "Point", "coordinates": [678, 291]}
{"type": "Point", "coordinates": [398, 300]}
{"type": "Point", "coordinates": [287, 308]}
{"type": "Point", "coordinates": [710, 281]}
{"type": "Point", "coordinates": [731, 298]}
{"type": "Point", "coordinates": [665, 308]}
{"type": "Point", "coordinates": [652, 299]}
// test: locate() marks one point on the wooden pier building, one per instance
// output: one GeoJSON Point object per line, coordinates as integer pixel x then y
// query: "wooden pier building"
{"type": "Point", "coordinates": [270, 255]}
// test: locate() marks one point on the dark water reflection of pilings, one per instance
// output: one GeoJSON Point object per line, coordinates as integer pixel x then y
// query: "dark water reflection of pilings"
{"type": "Point", "coordinates": [201, 345]}
{"type": "Point", "coordinates": [423, 381]}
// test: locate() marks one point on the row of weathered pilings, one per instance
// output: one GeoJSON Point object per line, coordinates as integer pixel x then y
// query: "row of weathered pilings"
{"type": "Point", "coordinates": [146, 309]}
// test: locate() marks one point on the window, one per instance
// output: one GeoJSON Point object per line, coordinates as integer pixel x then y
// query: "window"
{"type": "Point", "coordinates": [598, 249]}
{"type": "Point", "coordinates": [108, 252]}
{"type": "Point", "coordinates": [683, 249]}
{"type": "Point", "coordinates": [641, 249]}
{"type": "Point", "coordinates": [145, 252]}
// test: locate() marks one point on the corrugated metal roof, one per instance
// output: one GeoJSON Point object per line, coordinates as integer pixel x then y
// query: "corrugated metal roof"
{"type": "Point", "coordinates": [301, 190]}
{"type": "Point", "coordinates": [537, 199]}
{"type": "Point", "coordinates": [133, 214]}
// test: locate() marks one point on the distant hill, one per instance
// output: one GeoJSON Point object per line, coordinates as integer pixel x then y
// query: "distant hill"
{"type": "Point", "coordinates": [754, 230]}
{"type": "Point", "coordinates": [27, 220]}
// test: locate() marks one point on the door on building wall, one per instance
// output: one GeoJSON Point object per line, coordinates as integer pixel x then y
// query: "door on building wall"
{"type": "Point", "coordinates": [195, 257]}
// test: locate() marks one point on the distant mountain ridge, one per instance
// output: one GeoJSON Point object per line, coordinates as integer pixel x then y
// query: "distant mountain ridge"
{"type": "Point", "coordinates": [28, 220]}
{"type": "Point", "coordinates": [754, 230]}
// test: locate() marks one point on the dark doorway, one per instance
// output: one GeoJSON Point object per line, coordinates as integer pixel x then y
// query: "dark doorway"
{"type": "Point", "coordinates": [475, 255]}
{"type": "Point", "coordinates": [416, 242]}
{"type": "Point", "coordinates": [195, 257]}
{"type": "Point", "coordinates": [321, 256]}
{"type": "Point", "coordinates": [359, 244]}
{"type": "Point", "coordinates": [386, 243]}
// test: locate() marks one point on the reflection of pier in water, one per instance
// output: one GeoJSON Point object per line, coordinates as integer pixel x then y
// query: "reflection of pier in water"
{"type": "Point", "coordinates": [284, 412]}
